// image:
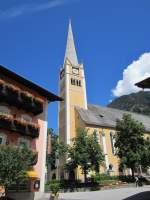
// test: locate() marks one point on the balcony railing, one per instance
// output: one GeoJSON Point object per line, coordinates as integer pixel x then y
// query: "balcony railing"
{"type": "Point", "coordinates": [21, 99]}
{"type": "Point", "coordinates": [18, 125]}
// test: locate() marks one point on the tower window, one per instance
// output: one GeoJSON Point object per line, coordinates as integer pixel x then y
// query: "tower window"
{"type": "Point", "coordinates": [72, 81]}
{"type": "Point", "coordinates": [79, 83]}
{"type": "Point", "coordinates": [75, 82]}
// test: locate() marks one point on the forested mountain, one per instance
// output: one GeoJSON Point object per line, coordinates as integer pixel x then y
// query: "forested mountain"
{"type": "Point", "coordinates": [135, 102]}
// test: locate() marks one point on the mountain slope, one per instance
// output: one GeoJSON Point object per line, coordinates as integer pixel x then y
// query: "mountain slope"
{"type": "Point", "coordinates": [135, 102]}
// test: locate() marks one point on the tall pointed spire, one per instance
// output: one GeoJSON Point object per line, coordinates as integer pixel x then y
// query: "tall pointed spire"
{"type": "Point", "coordinates": [70, 48]}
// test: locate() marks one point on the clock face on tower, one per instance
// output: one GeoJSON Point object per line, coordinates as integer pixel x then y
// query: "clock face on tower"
{"type": "Point", "coordinates": [75, 70]}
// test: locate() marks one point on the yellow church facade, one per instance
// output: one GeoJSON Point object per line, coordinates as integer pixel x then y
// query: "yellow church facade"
{"type": "Point", "coordinates": [75, 112]}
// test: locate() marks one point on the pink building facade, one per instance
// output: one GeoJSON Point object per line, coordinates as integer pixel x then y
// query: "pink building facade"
{"type": "Point", "coordinates": [23, 117]}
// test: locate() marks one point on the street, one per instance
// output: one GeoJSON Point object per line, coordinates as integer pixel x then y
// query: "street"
{"type": "Point", "coordinates": [140, 193]}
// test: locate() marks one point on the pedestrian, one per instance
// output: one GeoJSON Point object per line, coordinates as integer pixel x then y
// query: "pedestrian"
{"type": "Point", "coordinates": [140, 181]}
{"type": "Point", "coordinates": [136, 181]}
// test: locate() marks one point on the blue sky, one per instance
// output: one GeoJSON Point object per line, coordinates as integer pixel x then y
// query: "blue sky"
{"type": "Point", "coordinates": [112, 40]}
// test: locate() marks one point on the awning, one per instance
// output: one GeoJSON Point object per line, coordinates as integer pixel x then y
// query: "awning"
{"type": "Point", "coordinates": [32, 174]}
{"type": "Point", "coordinates": [144, 83]}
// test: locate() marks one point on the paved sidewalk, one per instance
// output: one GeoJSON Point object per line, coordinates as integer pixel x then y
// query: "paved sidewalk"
{"type": "Point", "coordinates": [141, 193]}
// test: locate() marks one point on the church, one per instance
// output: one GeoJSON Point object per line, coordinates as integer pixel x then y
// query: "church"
{"type": "Point", "coordinates": [75, 112]}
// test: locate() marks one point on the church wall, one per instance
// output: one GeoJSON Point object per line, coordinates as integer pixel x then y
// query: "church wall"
{"type": "Point", "coordinates": [75, 96]}
{"type": "Point", "coordinates": [110, 158]}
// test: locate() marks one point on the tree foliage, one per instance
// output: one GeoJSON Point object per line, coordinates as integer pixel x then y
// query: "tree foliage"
{"type": "Point", "coordinates": [58, 149]}
{"type": "Point", "coordinates": [145, 157]}
{"type": "Point", "coordinates": [95, 152]}
{"type": "Point", "coordinates": [14, 162]}
{"type": "Point", "coordinates": [85, 152]}
{"type": "Point", "coordinates": [129, 142]}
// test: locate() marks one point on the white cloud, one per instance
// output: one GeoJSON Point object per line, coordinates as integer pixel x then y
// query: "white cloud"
{"type": "Point", "coordinates": [135, 72]}
{"type": "Point", "coordinates": [30, 8]}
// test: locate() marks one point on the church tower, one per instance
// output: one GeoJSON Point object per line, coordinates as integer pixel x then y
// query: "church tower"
{"type": "Point", "coordinates": [72, 89]}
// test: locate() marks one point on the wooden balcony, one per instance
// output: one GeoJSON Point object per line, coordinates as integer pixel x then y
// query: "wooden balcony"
{"type": "Point", "coordinates": [21, 99]}
{"type": "Point", "coordinates": [18, 125]}
{"type": "Point", "coordinates": [35, 158]}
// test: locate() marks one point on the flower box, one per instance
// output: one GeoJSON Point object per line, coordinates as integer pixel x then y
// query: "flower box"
{"type": "Point", "coordinates": [1, 85]}
{"type": "Point", "coordinates": [2, 91]}
{"type": "Point", "coordinates": [27, 101]}
{"type": "Point", "coordinates": [32, 130]}
{"type": "Point", "coordinates": [12, 95]}
{"type": "Point", "coordinates": [37, 106]}
{"type": "Point", "coordinates": [19, 126]}
{"type": "Point", "coordinates": [5, 121]}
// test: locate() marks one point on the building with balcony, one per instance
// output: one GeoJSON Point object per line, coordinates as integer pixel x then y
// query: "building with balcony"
{"type": "Point", "coordinates": [23, 117]}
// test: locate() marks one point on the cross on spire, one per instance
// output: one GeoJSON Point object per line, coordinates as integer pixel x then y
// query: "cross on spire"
{"type": "Point", "coordinates": [70, 47]}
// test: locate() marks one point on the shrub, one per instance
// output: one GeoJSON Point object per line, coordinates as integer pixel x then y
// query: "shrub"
{"type": "Point", "coordinates": [71, 185]}
{"type": "Point", "coordinates": [55, 187]}
{"type": "Point", "coordinates": [100, 178]}
{"type": "Point", "coordinates": [128, 179]}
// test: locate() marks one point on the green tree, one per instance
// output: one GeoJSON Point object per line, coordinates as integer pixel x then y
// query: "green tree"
{"type": "Point", "coordinates": [14, 163]}
{"type": "Point", "coordinates": [145, 156]}
{"type": "Point", "coordinates": [129, 142]}
{"type": "Point", "coordinates": [95, 152]}
{"type": "Point", "coordinates": [58, 149]}
{"type": "Point", "coordinates": [72, 162]}
{"type": "Point", "coordinates": [85, 152]}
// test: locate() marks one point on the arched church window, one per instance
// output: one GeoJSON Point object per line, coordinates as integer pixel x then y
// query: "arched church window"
{"type": "Point", "coordinates": [148, 138]}
{"type": "Point", "coordinates": [112, 142]}
{"type": "Point", "coordinates": [110, 167]}
{"type": "Point", "coordinates": [97, 135]}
